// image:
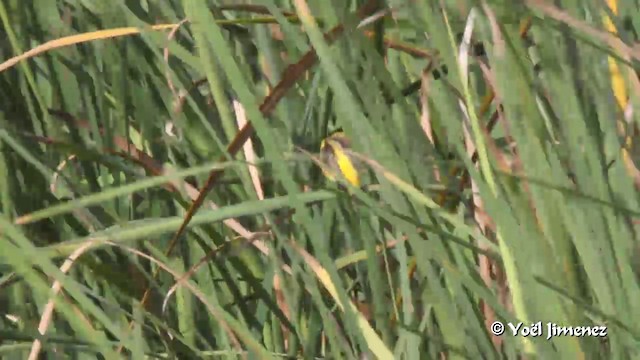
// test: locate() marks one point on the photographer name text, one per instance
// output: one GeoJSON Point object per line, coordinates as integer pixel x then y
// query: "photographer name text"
{"type": "Point", "coordinates": [548, 330]}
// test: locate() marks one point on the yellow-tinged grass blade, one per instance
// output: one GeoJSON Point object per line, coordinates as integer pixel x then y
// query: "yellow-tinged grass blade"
{"type": "Point", "coordinates": [79, 39]}
{"type": "Point", "coordinates": [617, 81]}
{"type": "Point", "coordinates": [376, 345]}
{"type": "Point", "coordinates": [619, 88]}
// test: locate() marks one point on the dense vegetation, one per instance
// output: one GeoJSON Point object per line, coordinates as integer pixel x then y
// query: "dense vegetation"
{"type": "Point", "coordinates": [494, 141]}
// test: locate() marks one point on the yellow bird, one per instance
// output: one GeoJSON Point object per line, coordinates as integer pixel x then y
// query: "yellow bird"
{"type": "Point", "coordinates": [334, 153]}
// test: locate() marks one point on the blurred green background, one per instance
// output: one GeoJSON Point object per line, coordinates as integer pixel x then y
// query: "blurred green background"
{"type": "Point", "coordinates": [496, 139]}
